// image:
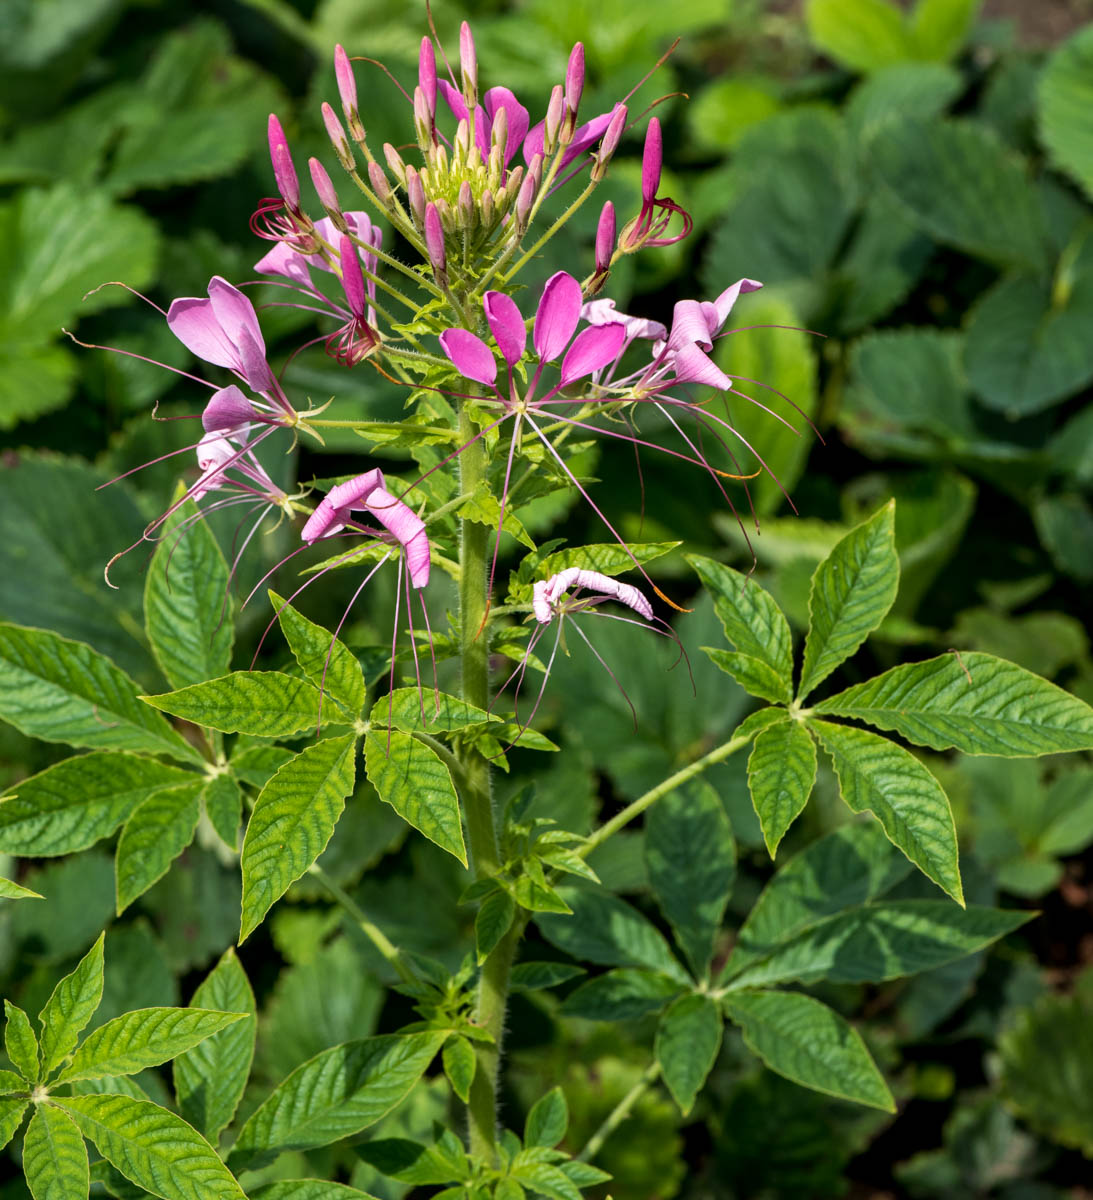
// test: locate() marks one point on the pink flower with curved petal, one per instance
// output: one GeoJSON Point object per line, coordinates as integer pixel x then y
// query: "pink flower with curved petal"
{"type": "Point", "coordinates": [223, 330]}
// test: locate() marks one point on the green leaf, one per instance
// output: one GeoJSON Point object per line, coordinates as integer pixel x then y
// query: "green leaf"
{"type": "Point", "coordinates": [403, 707]}
{"type": "Point", "coordinates": [779, 354]}
{"type": "Point", "coordinates": [335, 670]}
{"type": "Point", "coordinates": [963, 187]}
{"type": "Point", "coordinates": [1065, 526]}
{"type": "Point", "coordinates": [14, 891]}
{"type": "Point", "coordinates": [153, 837]}
{"type": "Point", "coordinates": [752, 621]}
{"type": "Point", "coordinates": [864, 35]}
{"type": "Point", "coordinates": [459, 1066]}
{"type": "Point", "coordinates": [622, 994]}
{"type": "Point", "coordinates": [34, 379]}
{"type": "Point", "coordinates": [1027, 348]}
{"type": "Point", "coordinates": [55, 1157]}
{"type": "Point", "coordinates": [941, 27]}
{"type": "Point", "coordinates": [210, 1077]}
{"type": "Point", "coordinates": [70, 1007]}
{"type": "Point", "coordinates": [63, 691]}
{"type": "Point", "coordinates": [879, 941]}
{"type": "Point", "coordinates": [261, 703]}
{"type": "Point", "coordinates": [72, 804]}
{"type": "Point", "coordinates": [308, 1189]}
{"type": "Point", "coordinates": [337, 1094]}
{"type": "Point", "coordinates": [292, 822]}
{"type": "Point", "coordinates": [187, 609]}
{"type": "Point", "coordinates": [691, 858]}
{"type": "Point", "coordinates": [807, 1042]}
{"type": "Point", "coordinates": [413, 779]}
{"type": "Point", "coordinates": [152, 1147]}
{"type": "Point", "coordinates": [1065, 96]}
{"type": "Point", "coordinates": [688, 1039]}
{"type": "Point", "coordinates": [971, 702]}
{"type": "Point", "coordinates": [548, 1120]}
{"type": "Point", "coordinates": [876, 774]}
{"type": "Point", "coordinates": [781, 774]}
{"type": "Point", "coordinates": [754, 676]}
{"type": "Point", "coordinates": [492, 922]}
{"type": "Point", "coordinates": [609, 558]}
{"type": "Point", "coordinates": [852, 591]}
{"type": "Point", "coordinates": [754, 723]}
{"type": "Point", "coordinates": [11, 1117]}
{"type": "Point", "coordinates": [144, 1038]}
{"type": "Point", "coordinates": [534, 976]}
{"type": "Point", "coordinates": [20, 1042]}
{"type": "Point", "coordinates": [412, 1162]}
{"type": "Point", "coordinates": [604, 929]}
{"type": "Point", "coordinates": [223, 801]}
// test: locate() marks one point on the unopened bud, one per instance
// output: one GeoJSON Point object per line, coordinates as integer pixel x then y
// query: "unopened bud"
{"type": "Point", "coordinates": [423, 122]}
{"type": "Point", "coordinates": [605, 238]}
{"type": "Point", "coordinates": [347, 89]}
{"type": "Point", "coordinates": [462, 141]}
{"type": "Point", "coordinates": [328, 197]}
{"type": "Point", "coordinates": [337, 137]}
{"type": "Point", "coordinates": [496, 165]}
{"type": "Point", "coordinates": [610, 143]}
{"type": "Point", "coordinates": [426, 75]}
{"type": "Point", "coordinates": [486, 208]}
{"type": "Point", "coordinates": [379, 184]}
{"type": "Point", "coordinates": [574, 80]}
{"type": "Point", "coordinates": [284, 173]}
{"type": "Point", "coordinates": [465, 206]}
{"type": "Point", "coordinates": [553, 123]}
{"type": "Point", "coordinates": [434, 240]}
{"type": "Point", "coordinates": [415, 195]}
{"type": "Point", "coordinates": [468, 65]}
{"type": "Point", "coordinates": [512, 186]}
{"type": "Point", "coordinates": [394, 161]}
{"type": "Point", "coordinates": [499, 132]}
{"type": "Point", "coordinates": [651, 159]}
{"type": "Point", "coordinates": [535, 169]}
{"type": "Point", "coordinates": [524, 200]}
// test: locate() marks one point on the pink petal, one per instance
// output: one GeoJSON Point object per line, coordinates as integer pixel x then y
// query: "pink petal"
{"type": "Point", "coordinates": [234, 312]}
{"type": "Point", "coordinates": [507, 325]}
{"type": "Point", "coordinates": [540, 602]}
{"type": "Point", "coordinates": [651, 159]}
{"type": "Point", "coordinates": [603, 312]}
{"type": "Point", "coordinates": [690, 326]}
{"type": "Point", "coordinates": [723, 304]}
{"type": "Point", "coordinates": [253, 366]}
{"type": "Point", "coordinates": [592, 350]}
{"type": "Point", "coordinates": [324, 521]}
{"type": "Point", "coordinates": [470, 355]}
{"type": "Point", "coordinates": [194, 323]}
{"type": "Point", "coordinates": [283, 260]}
{"type": "Point", "coordinates": [352, 277]}
{"type": "Point", "coordinates": [559, 312]}
{"type": "Point", "coordinates": [227, 410]}
{"type": "Point", "coordinates": [692, 366]}
{"type": "Point", "coordinates": [496, 99]}
{"type": "Point", "coordinates": [594, 581]}
{"type": "Point", "coordinates": [407, 528]}
{"type": "Point", "coordinates": [454, 100]}
{"type": "Point", "coordinates": [354, 492]}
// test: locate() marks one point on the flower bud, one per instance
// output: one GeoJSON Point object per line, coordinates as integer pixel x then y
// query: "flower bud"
{"type": "Point", "coordinates": [651, 160]}
{"type": "Point", "coordinates": [553, 123]}
{"type": "Point", "coordinates": [487, 209]}
{"type": "Point", "coordinates": [328, 197]}
{"type": "Point", "coordinates": [379, 184]}
{"type": "Point", "coordinates": [415, 196]}
{"type": "Point", "coordinates": [284, 173]}
{"type": "Point", "coordinates": [535, 169]}
{"type": "Point", "coordinates": [423, 123]}
{"type": "Point", "coordinates": [468, 66]}
{"type": "Point", "coordinates": [524, 200]}
{"type": "Point", "coordinates": [610, 143]}
{"type": "Point", "coordinates": [394, 161]}
{"type": "Point", "coordinates": [605, 238]}
{"type": "Point", "coordinates": [574, 81]}
{"type": "Point", "coordinates": [434, 240]}
{"type": "Point", "coordinates": [499, 131]}
{"type": "Point", "coordinates": [337, 137]}
{"type": "Point", "coordinates": [461, 143]}
{"type": "Point", "coordinates": [426, 75]}
{"type": "Point", "coordinates": [347, 89]}
{"type": "Point", "coordinates": [465, 206]}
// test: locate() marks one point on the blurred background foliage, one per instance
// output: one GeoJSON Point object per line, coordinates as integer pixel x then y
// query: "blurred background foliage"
{"type": "Point", "coordinates": [913, 186]}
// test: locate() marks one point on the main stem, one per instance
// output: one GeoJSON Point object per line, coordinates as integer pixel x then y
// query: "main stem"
{"type": "Point", "coordinates": [477, 801]}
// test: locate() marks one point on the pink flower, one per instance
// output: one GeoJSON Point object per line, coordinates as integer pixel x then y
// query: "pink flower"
{"type": "Point", "coordinates": [650, 226]}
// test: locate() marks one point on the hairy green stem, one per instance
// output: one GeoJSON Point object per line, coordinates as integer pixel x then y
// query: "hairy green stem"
{"type": "Point", "coordinates": [619, 1113]}
{"type": "Point", "coordinates": [718, 754]}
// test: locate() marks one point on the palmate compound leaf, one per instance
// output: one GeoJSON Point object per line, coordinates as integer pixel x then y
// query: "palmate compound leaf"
{"type": "Point", "coordinates": [63, 691]}
{"type": "Point", "coordinates": [210, 1077]}
{"type": "Point", "coordinates": [55, 1157]}
{"type": "Point", "coordinates": [879, 941]}
{"type": "Point", "coordinates": [414, 780]}
{"type": "Point", "coordinates": [325, 660]}
{"type": "Point", "coordinates": [336, 1094]}
{"type": "Point", "coordinates": [972, 702]}
{"type": "Point", "coordinates": [70, 1007]}
{"type": "Point", "coordinates": [261, 703]}
{"type": "Point", "coordinates": [155, 835]}
{"type": "Point", "coordinates": [809, 1043]}
{"type": "Point", "coordinates": [752, 621]}
{"type": "Point", "coordinates": [876, 774]}
{"type": "Point", "coordinates": [781, 773]}
{"type": "Point", "coordinates": [72, 804]}
{"type": "Point", "coordinates": [143, 1038]}
{"type": "Point", "coordinates": [152, 1147]}
{"type": "Point", "coordinates": [852, 591]}
{"type": "Point", "coordinates": [691, 858]}
{"type": "Point", "coordinates": [688, 1039]}
{"type": "Point", "coordinates": [187, 607]}
{"type": "Point", "coordinates": [292, 822]}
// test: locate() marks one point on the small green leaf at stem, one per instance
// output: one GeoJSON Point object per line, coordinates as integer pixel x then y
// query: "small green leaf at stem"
{"type": "Point", "coordinates": [687, 1042]}
{"type": "Point", "coordinates": [809, 1043]}
{"type": "Point", "coordinates": [55, 1157]}
{"type": "Point", "coordinates": [621, 994]}
{"type": "Point", "coordinates": [155, 835]}
{"type": "Point", "coordinates": [70, 1007]}
{"type": "Point", "coordinates": [20, 1042]}
{"type": "Point", "coordinates": [781, 774]}
{"type": "Point", "coordinates": [459, 1066]}
{"type": "Point", "coordinates": [223, 801]}
{"type": "Point", "coordinates": [491, 922]}
{"type": "Point", "coordinates": [852, 591]}
{"type": "Point", "coordinates": [11, 1117]}
{"type": "Point", "coordinates": [547, 1120]}
{"type": "Point", "coordinates": [326, 661]}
